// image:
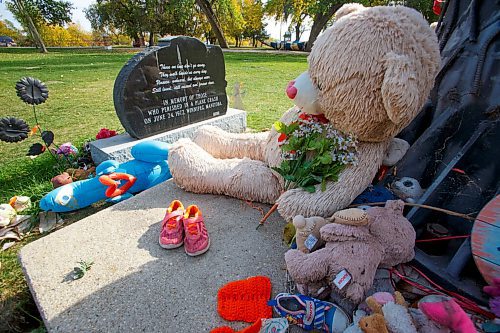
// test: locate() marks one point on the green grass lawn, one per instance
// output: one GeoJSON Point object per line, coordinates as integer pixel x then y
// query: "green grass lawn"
{"type": "Point", "coordinates": [80, 103]}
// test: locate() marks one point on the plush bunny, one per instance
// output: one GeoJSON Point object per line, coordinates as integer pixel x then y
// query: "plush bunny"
{"type": "Point", "coordinates": [369, 75]}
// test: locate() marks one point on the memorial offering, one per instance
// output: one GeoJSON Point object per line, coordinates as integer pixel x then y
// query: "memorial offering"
{"type": "Point", "coordinates": [170, 86]}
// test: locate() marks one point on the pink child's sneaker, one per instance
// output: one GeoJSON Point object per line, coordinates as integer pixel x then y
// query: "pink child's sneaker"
{"type": "Point", "coordinates": [196, 241]}
{"type": "Point", "coordinates": [172, 230]}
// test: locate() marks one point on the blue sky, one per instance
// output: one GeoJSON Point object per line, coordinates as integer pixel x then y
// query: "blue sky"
{"type": "Point", "coordinates": [273, 27]}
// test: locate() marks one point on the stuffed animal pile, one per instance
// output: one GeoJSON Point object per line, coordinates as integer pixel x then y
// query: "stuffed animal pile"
{"type": "Point", "coordinates": [386, 313]}
{"type": "Point", "coordinates": [369, 74]}
{"type": "Point", "coordinates": [357, 243]}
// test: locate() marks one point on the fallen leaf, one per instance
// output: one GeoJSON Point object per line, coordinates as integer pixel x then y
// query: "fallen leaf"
{"type": "Point", "coordinates": [10, 235]}
{"type": "Point", "coordinates": [25, 225]}
{"type": "Point", "coordinates": [8, 245]}
{"type": "Point", "coordinates": [48, 221]}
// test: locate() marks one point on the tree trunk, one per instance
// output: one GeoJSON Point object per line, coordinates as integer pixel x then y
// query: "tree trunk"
{"type": "Point", "coordinates": [31, 27]}
{"type": "Point", "coordinates": [151, 38]}
{"type": "Point", "coordinates": [297, 32]}
{"type": "Point", "coordinates": [320, 21]}
{"type": "Point", "coordinates": [214, 23]}
{"type": "Point", "coordinates": [138, 40]}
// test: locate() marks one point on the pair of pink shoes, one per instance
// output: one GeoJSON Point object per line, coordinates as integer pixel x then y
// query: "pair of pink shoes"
{"type": "Point", "coordinates": [184, 226]}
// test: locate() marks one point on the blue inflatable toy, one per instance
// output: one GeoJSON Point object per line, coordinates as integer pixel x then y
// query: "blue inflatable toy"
{"type": "Point", "coordinates": [114, 182]}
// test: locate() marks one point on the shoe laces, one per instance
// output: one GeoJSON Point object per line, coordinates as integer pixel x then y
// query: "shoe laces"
{"type": "Point", "coordinates": [192, 227]}
{"type": "Point", "coordinates": [172, 222]}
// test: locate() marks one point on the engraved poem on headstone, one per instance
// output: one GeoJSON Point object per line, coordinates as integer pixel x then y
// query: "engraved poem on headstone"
{"type": "Point", "coordinates": [171, 86]}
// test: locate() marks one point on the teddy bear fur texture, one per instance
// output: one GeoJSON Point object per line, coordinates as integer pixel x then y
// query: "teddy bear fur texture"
{"type": "Point", "coordinates": [373, 69]}
{"type": "Point", "coordinates": [387, 239]}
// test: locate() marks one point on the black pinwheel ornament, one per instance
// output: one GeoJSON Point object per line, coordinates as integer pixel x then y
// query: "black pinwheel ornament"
{"type": "Point", "coordinates": [32, 91]}
{"type": "Point", "coordinates": [13, 129]}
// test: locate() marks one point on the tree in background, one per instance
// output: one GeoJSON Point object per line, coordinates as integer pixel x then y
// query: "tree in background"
{"type": "Point", "coordinates": [33, 14]}
{"type": "Point", "coordinates": [128, 16]}
{"type": "Point", "coordinates": [7, 28]}
{"type": "Point", "coordinates": [423, 6]}
{"type": "Point", "coordinates": [213, 20]}
{"type": "Point", "coordinates": [73, 35]}
{"type": "Point", "coordinates": [231, 19]}
{"type": "Point", "coordinates": [139, 18]}
{"type": "Point", "coordinates": [179, 17]}
{"type": "Point", "coordinates": [253, 15]}
{"type": "Point", "coordinates": [320, 11]}
{"type": "Point", "coordinates": [296, 10]}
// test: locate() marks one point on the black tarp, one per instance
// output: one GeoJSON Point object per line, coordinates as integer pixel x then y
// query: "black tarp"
{"type": "Point", "coordinates": [455, 142]}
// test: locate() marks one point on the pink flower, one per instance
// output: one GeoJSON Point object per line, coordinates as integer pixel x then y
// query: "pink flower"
{"type": "Point", "coordinates": [105, 133]}
{"type": "Point", "coordinates": [67, 149]}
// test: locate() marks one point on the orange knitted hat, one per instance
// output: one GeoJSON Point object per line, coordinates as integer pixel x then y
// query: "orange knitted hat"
{"type": "Point", "coordinates": [245, 300]}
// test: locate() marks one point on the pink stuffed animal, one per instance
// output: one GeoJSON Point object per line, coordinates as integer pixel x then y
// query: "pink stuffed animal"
{"type": "Point", "coordinates": [446, 312]}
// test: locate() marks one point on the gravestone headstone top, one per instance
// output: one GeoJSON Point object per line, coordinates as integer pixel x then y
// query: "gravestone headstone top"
{"type": "Point", "coordinates": [170, 86]}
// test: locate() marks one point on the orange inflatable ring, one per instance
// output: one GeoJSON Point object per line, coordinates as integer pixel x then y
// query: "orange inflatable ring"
{"type": "Point", "coordinates": [113, 189]}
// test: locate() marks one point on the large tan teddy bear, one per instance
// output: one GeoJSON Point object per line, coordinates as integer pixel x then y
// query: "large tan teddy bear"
{"type": "Point", "coordinates": [369, 74]}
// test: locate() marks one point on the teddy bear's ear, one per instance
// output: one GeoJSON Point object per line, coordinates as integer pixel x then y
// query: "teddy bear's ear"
{"type": "Point", "coordinates": [400, 91]}
{"type": "Point", "coordinates": [348, 8]}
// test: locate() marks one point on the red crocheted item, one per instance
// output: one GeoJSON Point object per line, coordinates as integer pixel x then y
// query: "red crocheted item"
{"type": "Point", "coordinates": [245, 300]}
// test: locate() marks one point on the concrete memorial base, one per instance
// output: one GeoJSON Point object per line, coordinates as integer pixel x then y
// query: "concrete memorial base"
{"type": "Point", "coordinates": [136, 286]}
{"type": "Point", "coordinates": [118, 147]}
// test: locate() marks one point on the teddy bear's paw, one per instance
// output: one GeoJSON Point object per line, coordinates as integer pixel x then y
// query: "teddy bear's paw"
{"type": "Point", "coordinates": [190, 165]}
{"type": "Point", "coordinates": [299, 202]}
{"type": "Point", "coordinates": [305, 268]}
{"type": "Point", "coordinates": [252, 180]}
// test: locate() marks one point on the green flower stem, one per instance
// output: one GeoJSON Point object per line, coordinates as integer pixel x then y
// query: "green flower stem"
{"type": "Point", "coordinates": [40, 132]}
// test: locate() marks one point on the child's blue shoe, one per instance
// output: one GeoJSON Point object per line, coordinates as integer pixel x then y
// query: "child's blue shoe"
{"type": "Point", "coordinates": [310, 313]}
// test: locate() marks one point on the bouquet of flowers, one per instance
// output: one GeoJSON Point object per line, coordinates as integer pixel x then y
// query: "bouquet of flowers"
{"type": "Point", "coordinates": [313, 152]}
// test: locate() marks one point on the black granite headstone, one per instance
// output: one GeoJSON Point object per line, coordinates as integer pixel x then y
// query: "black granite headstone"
{"type": "Point", "coordinates": [170, 86]}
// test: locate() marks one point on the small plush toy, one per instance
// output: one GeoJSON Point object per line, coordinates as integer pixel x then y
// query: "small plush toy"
{"type": "Point", "coordinates": [397, 149]}
{"type": "Point", "coordinates": [387, 313]}
{"type": "Point", "coordinates": [390, 315]}
{"type": "Point", "coordinates": [60, 180]}
{"type": "Point", "coordinates": [446, 312]}
{"type": "Point", "coordinates": [357, 242]}
{"type": "Point", "coordinates": [20, 203]}
{"type": "Point", "coordinates": [80, 174]}
{"type": "Point", "coordinates": [408, 189]}
{"type": "Point", "coordinates": [307, 234]}
{"type": "Point", "coordinates": [395, 313]}
{"type": "Point", "coordinates": [7, 215]}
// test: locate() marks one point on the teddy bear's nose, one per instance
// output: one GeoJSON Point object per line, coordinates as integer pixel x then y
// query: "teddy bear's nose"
{"type": "Point", "coordinates": [291, 91]}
